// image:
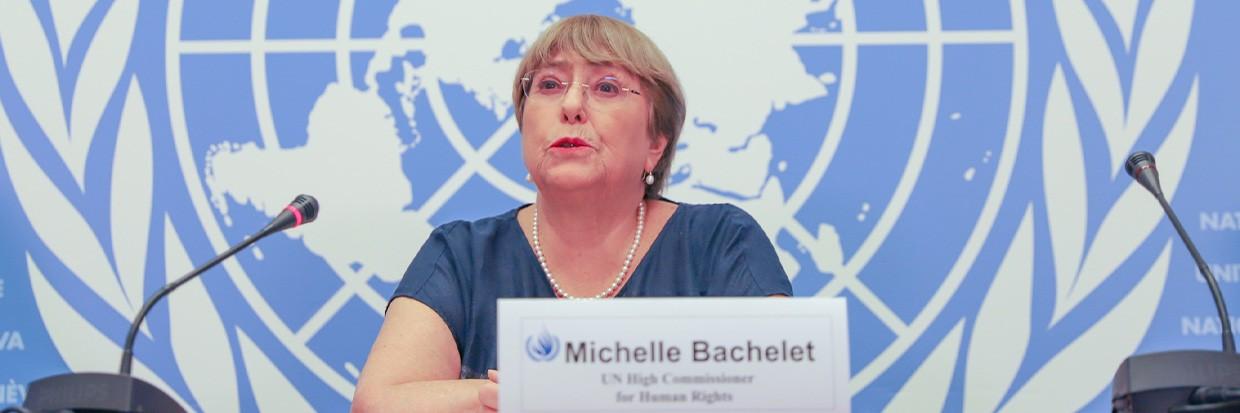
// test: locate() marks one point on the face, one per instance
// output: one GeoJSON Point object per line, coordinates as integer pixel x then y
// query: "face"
{"type": "Point", "coordinates": [577, 139]}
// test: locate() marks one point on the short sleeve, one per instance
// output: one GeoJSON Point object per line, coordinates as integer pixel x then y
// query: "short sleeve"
{"type": "Point", "coordinates": [745, 262]}
{"type": "Point", "coordinates": [434, 279]}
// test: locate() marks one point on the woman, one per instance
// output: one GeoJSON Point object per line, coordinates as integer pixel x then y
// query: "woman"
{"type": "Point", "coordinates": [600, 111]}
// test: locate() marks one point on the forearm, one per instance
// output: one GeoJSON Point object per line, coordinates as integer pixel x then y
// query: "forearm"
{"type": "Point", "coordinates": [420, 396]}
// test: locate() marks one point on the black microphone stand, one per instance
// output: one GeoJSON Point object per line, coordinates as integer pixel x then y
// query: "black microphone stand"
{"type": "Point", "coordinates": [111, 392]}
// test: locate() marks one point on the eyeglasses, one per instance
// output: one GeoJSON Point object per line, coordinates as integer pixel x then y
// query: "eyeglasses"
{"type": "Point", "coordinates": [546, 87]}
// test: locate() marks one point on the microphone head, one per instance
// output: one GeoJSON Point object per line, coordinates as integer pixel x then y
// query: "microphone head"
{"type": "Point", "coordinates": [307, 207]}
{"type": "Point", "coordinates": [303, 210]}
{"type": "Point", "coordinates": [1140, 166]}
{"type": "Point", "coordinates": [1137, 161]}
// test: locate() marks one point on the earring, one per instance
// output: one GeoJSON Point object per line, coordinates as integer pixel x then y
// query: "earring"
{"type": "Point", "coordinates": [649, 179]}
{"type": "Point", "coordinates": [528, 178]}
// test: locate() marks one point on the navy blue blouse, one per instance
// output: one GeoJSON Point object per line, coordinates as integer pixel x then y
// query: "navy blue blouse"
{"type": "Point", "coordinates": [703, 250]}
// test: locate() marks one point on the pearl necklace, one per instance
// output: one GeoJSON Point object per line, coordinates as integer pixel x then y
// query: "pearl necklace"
{"type": "Point", "coordinates": [628, 259]}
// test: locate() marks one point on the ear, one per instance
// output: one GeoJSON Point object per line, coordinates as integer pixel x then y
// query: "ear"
{"type": "Point", "coordinates": [657, 146]}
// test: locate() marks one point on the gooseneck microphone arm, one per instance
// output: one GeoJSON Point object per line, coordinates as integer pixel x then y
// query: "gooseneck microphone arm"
{"type": "Point", "coordinates": [302, 210]}
{"type": "Point", "coordinates": [1141, 167]}
{"type": "Point", "coordinates": [127, 354]}
{"type": "Point", "coordinates": [1229, 343]}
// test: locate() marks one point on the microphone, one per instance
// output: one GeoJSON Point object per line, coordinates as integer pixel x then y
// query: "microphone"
{"type": "Point", "coordinates": [303, 210]}
{"type": "Point", "coordinates": [1140, 166]}
{"type": "Point", "coordinates": [107, 392]}
{"type": "Point", "coordinates": [1178, 380]}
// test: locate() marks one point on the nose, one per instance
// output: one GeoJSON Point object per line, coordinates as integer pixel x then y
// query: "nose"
{"type": "Point", "coordinates": [573, 105]}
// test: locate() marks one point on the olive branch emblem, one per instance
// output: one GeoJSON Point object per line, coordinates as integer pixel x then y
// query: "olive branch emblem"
{"type": "Point", "coordinates": [996, 345]}
{"type": "Point", "coordinates": [104, 256]}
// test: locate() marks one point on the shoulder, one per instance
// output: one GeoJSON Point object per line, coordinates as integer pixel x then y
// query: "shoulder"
{"type": "Point", "coordinates": [734, 252]}
{"type": "Point", "coordinates": [462, 231]}
{"type": "Point", "coordinates": [715, 226]}
{"type": "Point", "coordinates": [451, 253]}
{"type": "Point", "coordinates": [701, 218]}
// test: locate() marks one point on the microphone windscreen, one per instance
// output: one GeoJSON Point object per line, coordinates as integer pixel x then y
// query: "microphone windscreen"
{"type": "Point", "coordinates": [308, 206]}
{"type": "Point", "coordinates": [1136, 160]}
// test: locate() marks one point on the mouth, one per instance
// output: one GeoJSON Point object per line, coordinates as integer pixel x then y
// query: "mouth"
{"type": "Point", "coordinates": [570, 143]}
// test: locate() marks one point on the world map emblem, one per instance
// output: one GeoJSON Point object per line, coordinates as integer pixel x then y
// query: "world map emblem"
{"type": "Point", "coordinates": [923, 163]}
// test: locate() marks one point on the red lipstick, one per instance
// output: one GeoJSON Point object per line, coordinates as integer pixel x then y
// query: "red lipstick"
{"type": "Point", "coordinates": [570, 142]}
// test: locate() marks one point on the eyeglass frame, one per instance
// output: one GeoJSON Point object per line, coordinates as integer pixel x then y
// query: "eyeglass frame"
{"type": "Point", "coordinates": [587, 87]}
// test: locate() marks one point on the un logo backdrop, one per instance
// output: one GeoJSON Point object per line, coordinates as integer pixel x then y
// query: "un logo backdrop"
{"type": "Point", "coordinates": [953, 169]}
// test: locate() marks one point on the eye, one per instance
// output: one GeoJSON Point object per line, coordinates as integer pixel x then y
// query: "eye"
{"type": "Point", "coordinates": [607, 87]}
{"type": "Point", "coordinates": [548, 86]}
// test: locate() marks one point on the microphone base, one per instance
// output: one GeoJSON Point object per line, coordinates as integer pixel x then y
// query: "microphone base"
{"type": "Point", "coordinates": [1157, 382]}
{"type": "Point", "coordinates": [99, 392]}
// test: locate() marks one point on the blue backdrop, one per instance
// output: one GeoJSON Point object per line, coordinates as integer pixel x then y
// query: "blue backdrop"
{"type": "Point", "coordinates": [952, 168]}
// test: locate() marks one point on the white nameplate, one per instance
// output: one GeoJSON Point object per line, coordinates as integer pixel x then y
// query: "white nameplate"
{"type": "Point", "coordinates": [673, 354]}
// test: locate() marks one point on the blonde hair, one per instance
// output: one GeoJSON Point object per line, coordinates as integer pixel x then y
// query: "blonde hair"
{"type": "Point", "coordinates": [604, 40]}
